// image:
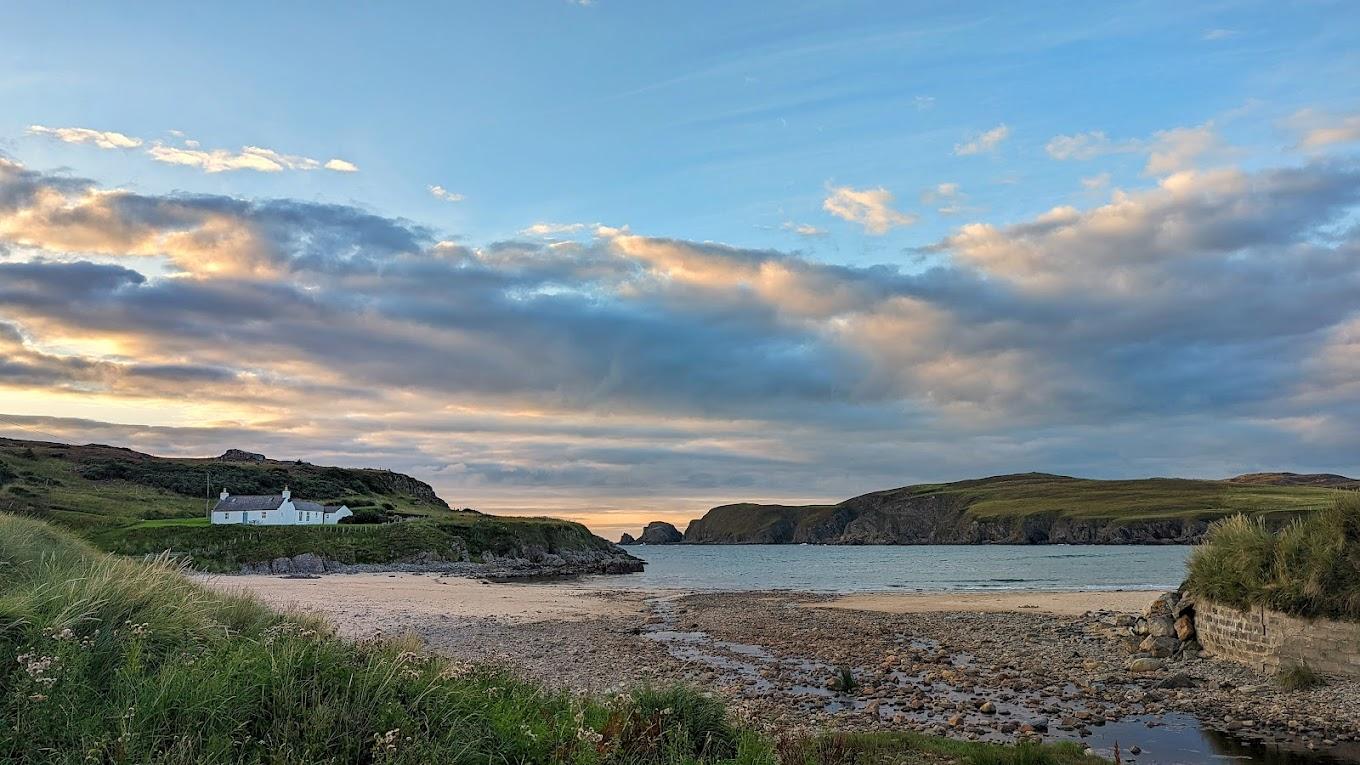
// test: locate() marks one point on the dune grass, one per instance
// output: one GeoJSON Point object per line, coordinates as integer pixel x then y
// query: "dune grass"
{"type": "Point", "coordinates": [109, 660]}
{"type": "Point", "coordinates": [1310, 568]}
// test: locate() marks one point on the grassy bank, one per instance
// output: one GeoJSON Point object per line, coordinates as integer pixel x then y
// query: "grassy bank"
{"type": "Point", "coordinates": [226, 548]}
{"type": "Point", "coordinates": [103, 659]}
{"type": "Point", "coordinates": [1309, 568]}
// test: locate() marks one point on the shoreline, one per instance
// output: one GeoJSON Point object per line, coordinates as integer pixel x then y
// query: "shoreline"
{"type": "Point", "coordinates": [1050, 663]}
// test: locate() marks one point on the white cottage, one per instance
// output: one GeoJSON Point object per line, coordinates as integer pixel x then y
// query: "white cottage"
{"type": "Point", "coordinates": [275, 510]}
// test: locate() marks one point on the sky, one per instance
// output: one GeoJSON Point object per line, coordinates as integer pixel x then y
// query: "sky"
{"type": "Point", "coordinates": [624, 261]}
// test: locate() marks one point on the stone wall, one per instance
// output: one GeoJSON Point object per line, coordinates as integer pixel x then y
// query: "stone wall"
{"type": "Point", "coordinates": [1265, 639]}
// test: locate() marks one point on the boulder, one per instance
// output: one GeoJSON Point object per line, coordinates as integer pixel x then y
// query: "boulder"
{"type": "Point", "coordinates": [1161, 626]}
{"type": "Point", "coordinates": [660, 533]}
{"type": "Point", "coordinates": [627, 539]}
{"type": "Point", "coordinates": [1146, 665]}
{"type": "Point", "coordinates": [1163, 604]}
{"type": "Point", "coordinates": [1185, 628]}
{"type": "Point", "coordinates": [1177, 680]}
{"type": "Point", "coordinates": [1160, 646]}
{"type": "Point", "coordinates": [1185, 605]}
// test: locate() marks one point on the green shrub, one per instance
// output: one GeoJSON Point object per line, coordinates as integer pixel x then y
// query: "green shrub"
{"type": "Point", "coordinates": [1309, 568]}
{"type": "Point", "coordinates": [1299, 677]}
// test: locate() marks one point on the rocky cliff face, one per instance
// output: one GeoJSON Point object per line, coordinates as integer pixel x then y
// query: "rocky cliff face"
{"type": "Point", "coordinates": [900, 517]}
{"type": "Point", "coordinates": [660, 533]}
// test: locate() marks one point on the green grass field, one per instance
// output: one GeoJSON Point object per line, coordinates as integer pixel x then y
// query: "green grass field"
{"type": "Point", "coordinates": [1140, 499]}
{"type": "Point", "coordinates": [109, 660]}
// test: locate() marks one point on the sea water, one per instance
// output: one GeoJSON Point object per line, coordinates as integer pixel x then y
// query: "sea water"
{"type": "Point", "coordinates": [928, 568]}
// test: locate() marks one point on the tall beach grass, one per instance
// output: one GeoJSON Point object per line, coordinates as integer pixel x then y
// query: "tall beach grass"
{"type": "Point", "coordinates": [1311, 567]}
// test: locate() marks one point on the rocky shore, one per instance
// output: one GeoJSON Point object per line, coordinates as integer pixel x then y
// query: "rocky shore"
{"type": "Point", "coordinates": [797, 661]}
{"type": "Point", "coordinates": [532, 563]}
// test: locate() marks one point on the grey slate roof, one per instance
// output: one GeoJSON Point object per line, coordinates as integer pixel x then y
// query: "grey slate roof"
{"type": "Point", "coordinates": [248, 503]}
{"type": "Point", "coordinates": [334, 508]}
{"type": "Point", "coordinates": [307, 507]}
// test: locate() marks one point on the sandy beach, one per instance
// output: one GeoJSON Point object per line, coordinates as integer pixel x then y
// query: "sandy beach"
{"type": "Point", "coordinates": [1048, 664]}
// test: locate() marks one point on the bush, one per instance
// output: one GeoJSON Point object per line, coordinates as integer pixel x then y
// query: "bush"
{"type": "Point", "coordinates": [1309, 568]}
{"type": "Point", "coordinates": [1298, 677]}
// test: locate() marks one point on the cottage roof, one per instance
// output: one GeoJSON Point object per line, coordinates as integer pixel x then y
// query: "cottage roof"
{"type": "Point", "coordinates": [335, 508]}
{"type": "Point", "coordinates": [307, 507]}
{"type": "Point", "coordinates": [248, 503]}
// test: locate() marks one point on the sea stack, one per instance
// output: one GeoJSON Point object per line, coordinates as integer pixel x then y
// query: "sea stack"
{"type": "Point", "coordinates": [660, 533]}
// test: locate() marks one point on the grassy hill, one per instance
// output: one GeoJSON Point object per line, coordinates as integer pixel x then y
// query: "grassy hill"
{"type": "Point", "coordinates": [137, 504]}
{"type": "Point", "coordinates": [109, 660]}
{"type": "Point", "coordinates": [1031, 507]}
{"type": "Point", "coordinates": [93, 487]}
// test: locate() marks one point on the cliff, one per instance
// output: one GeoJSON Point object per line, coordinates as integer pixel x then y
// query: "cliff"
{"type": "Point", "coordinates": [1033, 508]}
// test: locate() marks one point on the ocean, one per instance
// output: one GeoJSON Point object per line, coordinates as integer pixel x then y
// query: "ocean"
{"type": "Point", "coordinates": [843, 568]}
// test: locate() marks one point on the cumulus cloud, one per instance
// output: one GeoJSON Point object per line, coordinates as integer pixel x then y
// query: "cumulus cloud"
{"type": "Point", "coordinates": [1320, 130]}
{"type": "Point", "coordinates": [871, 208]}
{"type": "Point", "coordinates": [623, 365]}
{"type": "Point", "coordinates": [439, 192]}
{"type": "Point", "coordinates": [104, 139]}
{"type": "Point", "coordinates": [984, 142]}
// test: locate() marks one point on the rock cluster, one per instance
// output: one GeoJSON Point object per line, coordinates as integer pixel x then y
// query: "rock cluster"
{"type": "Point", "coordinates": [1165, 632]}
{"type": "Point", "coordinates": [656, 533]}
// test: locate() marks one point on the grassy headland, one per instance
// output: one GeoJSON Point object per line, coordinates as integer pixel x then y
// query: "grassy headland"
{"type": "Point", "coordinates": [106, 659]}
{"type": "Point", "coordinates": [1030, 507]}
{"type": "Point", "coordinates": [1310, 568]}
{"type": "Point", "coordinates": [138, 504]}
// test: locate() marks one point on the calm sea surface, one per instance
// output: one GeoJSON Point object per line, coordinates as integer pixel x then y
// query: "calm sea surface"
{"type": "Point", "coordinates": [836, 568]}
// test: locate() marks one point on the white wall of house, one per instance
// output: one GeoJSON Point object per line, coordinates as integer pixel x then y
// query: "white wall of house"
{"type": "Point", "coordinates": [286, 514]}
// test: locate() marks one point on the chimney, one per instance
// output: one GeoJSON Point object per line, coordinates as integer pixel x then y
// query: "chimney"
{"type": "Point", "coordinates": [286, 493]}
{"type": "Point", "coordinates": [224, 493]}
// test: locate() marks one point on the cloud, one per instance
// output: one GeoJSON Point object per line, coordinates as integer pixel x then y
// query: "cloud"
{"type": "Point", "coordinates": [656, 372]}
{"type": "Point", "coordinates": [1096, 182]}
{"type": "Point", "coordinates": [923, 103]}
{"type": "Point", "coordinates": [1167, 150]}
{"type": "Point", "coordinates": [190, 154]}
{"type": "Point", "coordinates": [549, 230]}
{"type": "Point", "coordinates": [254, 158]}
{"type": "Point", "coordinates": [104, 139]}
{"type": "Point", "coordinates": [1319, 130]}
{"type": "Point", "coordinates": [804, 229]}
{"type": "Point", "coordinates": [1220, 34]}
{"type": "Point", "coordinates": [439, 192]}
{"type": "Point", "coordinates": [1088, 146]}
{"type": "Point", "coordinates": [948, 198]}
{"type": "Point", "coordinates": [871, 208]}
{"type": "Point", "coordinates": [1178, 149]}
{"type": "Point", "coordinates": [983, 143]}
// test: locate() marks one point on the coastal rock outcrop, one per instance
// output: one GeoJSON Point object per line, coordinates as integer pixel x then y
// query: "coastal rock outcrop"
{"type": "Point", "coordinates": [627, 539]}
{"type": "Point", "coordinates": [660, 533]}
